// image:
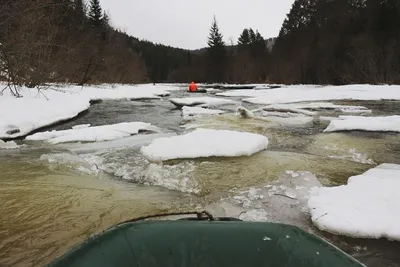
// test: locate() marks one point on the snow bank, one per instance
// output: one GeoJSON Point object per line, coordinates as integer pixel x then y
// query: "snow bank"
{"type": "Point", "coordinates": [201, 101]}
{"type": "Point", "coordinates": [349, 123]}
{"type": "Point", "coordinates": [192, 111]}
{"type": "Point", "coordinates": [367, 207]}
{"type": "Point", "coordinates": [20, 116]}
{"type": "Point", "coordinates": [205, 143]}
{"type": "Point", "coordinates": [92, 134]}
{"type": "Point", "coordinates": [312, 93]}
{"type": "Point", "coordinates": [130, 92]}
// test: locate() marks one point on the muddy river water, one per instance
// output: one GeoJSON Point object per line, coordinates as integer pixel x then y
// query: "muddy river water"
{"type": "Point", "coordinates": [53, 197]}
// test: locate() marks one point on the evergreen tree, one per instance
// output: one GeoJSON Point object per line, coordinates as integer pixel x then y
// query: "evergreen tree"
{"type": "Point", "coordinates": [244, 38]}
{"type": "Point", "coordinates": [215, 37]}
{"type": "Point", "coordinates": [216, 54]}
{"type": "Point", "coordinates": [105, 21]}
{"type": "Point", "coordinates": [95, 14]}
{"type": "Point", "coordinates": [252, 35]}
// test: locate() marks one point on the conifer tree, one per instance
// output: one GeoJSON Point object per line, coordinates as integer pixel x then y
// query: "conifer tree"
{"type": "Point", "coordinates": [216, 54]}
{"type": "Point", "coordinates": [244, 38]}
{"type": "Point", "coordinates": [215, 37]}
{"type": "Point", "coordinates": [95, 14]}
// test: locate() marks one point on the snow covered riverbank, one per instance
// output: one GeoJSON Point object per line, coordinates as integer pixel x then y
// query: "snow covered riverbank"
{"type": "Point", "coordinates": [34, 110]}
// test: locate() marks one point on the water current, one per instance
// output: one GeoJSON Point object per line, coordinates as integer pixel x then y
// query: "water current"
{"type": "Point", "coordinates": [54, 196]}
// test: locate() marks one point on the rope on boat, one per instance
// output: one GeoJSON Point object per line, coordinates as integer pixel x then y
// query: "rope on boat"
{"type": "Point", "coordinates": [202, 215]}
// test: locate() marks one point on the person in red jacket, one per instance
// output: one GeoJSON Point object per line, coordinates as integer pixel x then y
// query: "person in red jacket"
{"type": "Point", "coordinates": [192, 87]}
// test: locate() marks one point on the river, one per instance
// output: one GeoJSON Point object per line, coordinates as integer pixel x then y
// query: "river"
{"type": "Point", "coordinates": [55, 196]}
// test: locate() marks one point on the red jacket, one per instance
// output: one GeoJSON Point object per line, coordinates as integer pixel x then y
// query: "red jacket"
{"type": "Point", "coordinates": [193, 87]}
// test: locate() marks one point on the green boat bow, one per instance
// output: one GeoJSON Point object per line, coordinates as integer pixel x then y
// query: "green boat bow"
{"type": "Point", "coordinates": [212, 243]}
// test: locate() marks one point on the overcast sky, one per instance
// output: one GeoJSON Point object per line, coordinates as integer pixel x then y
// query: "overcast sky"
{"type": "Point", "coordinates": [186, 23]}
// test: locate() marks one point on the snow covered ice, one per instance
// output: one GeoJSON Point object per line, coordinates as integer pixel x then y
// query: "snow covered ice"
{"type": "Point", "coordinates": [310, 108]}
{"type": "Point", "coordinates": [205, 143]}
{"type": "Point", "coordinates": [20, 116]}
{"type": "Point", "coordinates": [196, 111]}
{"type": "Point", "coordinates": [201, 101]}
{"type": "Point", "coordinates": [93, 134]}
{"type": "Point", "coordinates": [367, 207]}
{"type": "Point", "coordinates": [292, 94]}
{"type": "Point", "coordinates": [349, 123]}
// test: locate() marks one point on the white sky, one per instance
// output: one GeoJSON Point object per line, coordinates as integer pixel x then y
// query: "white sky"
{"type": "Point", "coordinates": [186, 23]}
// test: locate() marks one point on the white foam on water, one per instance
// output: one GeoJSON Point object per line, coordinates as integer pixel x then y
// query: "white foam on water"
{"type": "Point", "coordinates": [8, 145]}
{"type": "Point", "coordinates": [129, 165]}
{"type": "Point", "coordinates": [350, 154]}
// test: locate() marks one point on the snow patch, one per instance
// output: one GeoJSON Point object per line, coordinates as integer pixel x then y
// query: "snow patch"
{"type": "Point", "coordinates": [367, 207]}
{"type": "Point", "coordinates": [205, 143]}
{"type": "Point", "coordinates": [292, 94]}
{"type": "Point", "coordinates": [20, 116]}
{"type": "Point", "coordinates": [320, 106]}
{"type": "Point", "coordinates": [34, 110]}
{"type": "Point", "coordinates": [92, 134]}
{"type": "Point", "coordinates": [350, 123]}
{"type": "Point", "coordinates": [201, 101]}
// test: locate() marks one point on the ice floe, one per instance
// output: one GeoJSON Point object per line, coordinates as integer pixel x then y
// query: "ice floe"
{"type": "Point", "coordinates": [350, 123]}
{"type": "Point", "coordinates": [366, 207]}
{"type": "Point", "coordinates": [297, 93]}
{"type": "Point", "coordinates": [205, 143]}
{"type": "Point", "coordinates": [201, 101]}
{"type": "Point", "coordinates": [93, 134]}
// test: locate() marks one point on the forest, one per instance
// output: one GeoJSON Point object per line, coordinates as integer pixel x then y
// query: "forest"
{"type": "Point", "coordinates": [320, 42]}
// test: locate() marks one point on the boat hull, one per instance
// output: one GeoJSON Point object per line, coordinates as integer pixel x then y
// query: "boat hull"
{"type": "Point", "coordinates": [204, 243]}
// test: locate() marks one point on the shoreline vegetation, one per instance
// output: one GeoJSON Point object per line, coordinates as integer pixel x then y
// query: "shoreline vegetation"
{"type": "Point", "coordinates": [323, 42]}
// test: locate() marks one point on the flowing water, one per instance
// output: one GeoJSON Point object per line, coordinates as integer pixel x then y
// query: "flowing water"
{"type": "Point", "coordinates": [56, 196]}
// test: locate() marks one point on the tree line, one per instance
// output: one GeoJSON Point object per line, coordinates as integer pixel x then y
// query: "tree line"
{"type": "Point", "coordinates": [338, 42]}
{"type": "Point", "coordinates": [320, 42]}
{"type": "Point", "coordinates": [63, 41]}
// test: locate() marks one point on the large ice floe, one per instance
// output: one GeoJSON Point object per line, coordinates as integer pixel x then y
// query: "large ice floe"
{"type": "Point", "coordinates": [93, 134]}
{"type": "Point", "coordinates": [201, 101]}
{"type": "Point", "coordinates": [366, 207]}
{"type": "Point", "coordinates": [350, 123]}
{"type": "Point", "coordinates": [36, 109]}
{"type": "Point", "coordinates": [20, 116]}
{"type": "Point", "coordinates": [298, 93]}
{"type": "Point", "coordinates": [205, 143]}
{"type": "Point", "coordinates": [310, 109]}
